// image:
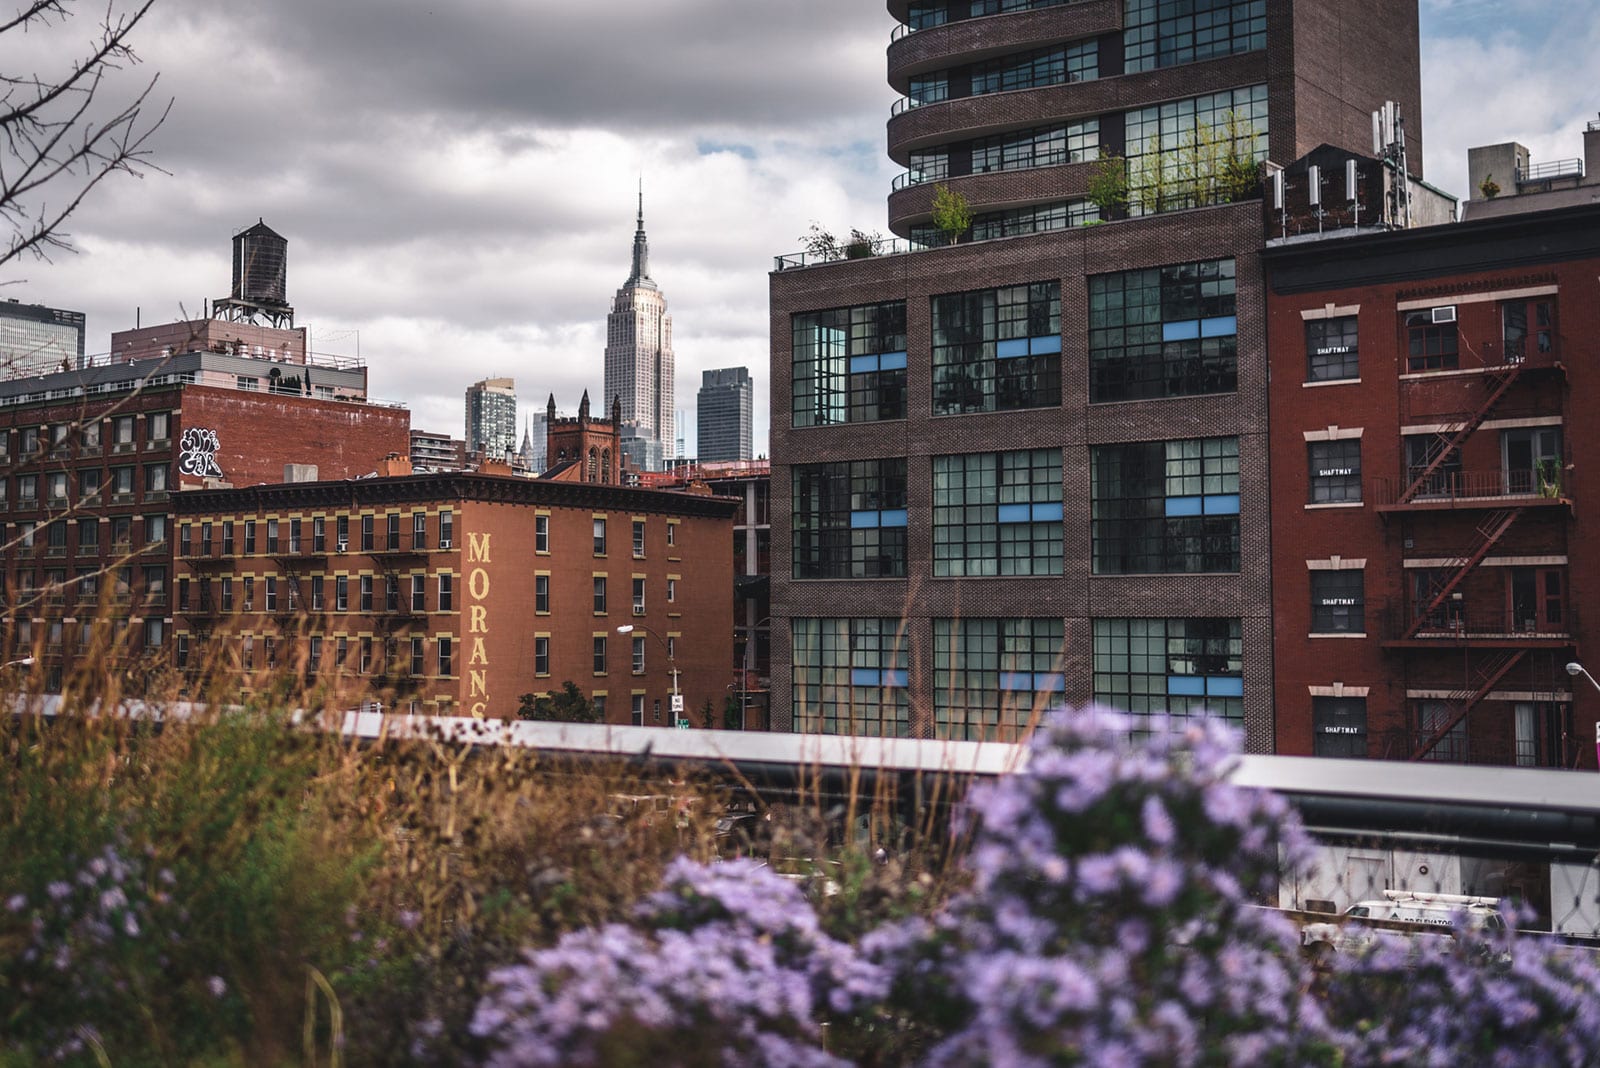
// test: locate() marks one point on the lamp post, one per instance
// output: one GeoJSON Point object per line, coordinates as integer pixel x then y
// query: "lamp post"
{"type": "Point", "coordinates": [680, 720]}
{"type": "Point", "coordinates": [26, 661]}
{"type": "Point", "coordinates": [1575, 669]}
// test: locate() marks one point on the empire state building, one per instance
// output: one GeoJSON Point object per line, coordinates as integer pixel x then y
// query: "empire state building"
{"type": "Point", "coordinates": [639, 367]}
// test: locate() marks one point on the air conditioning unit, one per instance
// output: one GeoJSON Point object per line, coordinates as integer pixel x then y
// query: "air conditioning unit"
{"type": "Point", "coordinates": [444, 543]}
{"type": "Point", "coordinates": [344, 545]}
{"type": "Point", "coordinates": [1447, 314]}
{"type": "Point", "coordinates": [638, 609]}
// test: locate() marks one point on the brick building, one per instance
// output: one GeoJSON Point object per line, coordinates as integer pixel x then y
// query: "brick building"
{"type": "Point", "coordinates": [457, 593]}
{"type": "Point", "coordinates": [1427, 488]}
{"type": "Point", "coordinates": [1032, 465]}
{"type": "Point", "coordinates": [93, 457]}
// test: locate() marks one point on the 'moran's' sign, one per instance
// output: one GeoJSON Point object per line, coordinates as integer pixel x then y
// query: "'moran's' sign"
{"type": "Point", "coordinates": [477, 622]}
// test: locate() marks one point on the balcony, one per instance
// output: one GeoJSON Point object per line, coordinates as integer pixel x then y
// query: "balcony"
{"type": "Point", "coordinates": [1458, 624]}
{"type": "Point", "coordinates": [1446, 490]}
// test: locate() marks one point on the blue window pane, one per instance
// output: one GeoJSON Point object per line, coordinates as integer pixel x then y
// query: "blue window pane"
{"type": "Point", "coordinates": [1016, 346]}
{"type": "Point", "coordinates": [1047, 513]}
{"type": "Point", "coordinates": [1048, 682]}
{"type": "Point", "coordinates": [892, 361]}
{"type": "Point", "coordinates": [865, 676]}
{"type": "Point", "coordinates": [863, 520]}
{"type": "Point", "coordinates": [1224, 686]}
{"type": "Point", "coordinates": [1011, 681]}
{"type": "Point", "coordinates": [1183, 505]}
{"type": "Point", "coordinates": [1042, 345]}
{"type": "Point", "coordinates": [1221, 504]}
{"type": "Point", "coordinates": [863, 364]}
{"type": "Point", "coordinates": [1186, 686]}
{"type": "Point", "coordinates": [1221, 326]}
{"type": "Point", "coordinates": [893, 677]}
{"type": "Point", "coordinates": [892, 517]}
{"type": "Point", "coordinates": [1015, 513]}
{"type": "Point", "coordinates": [1187, 330]}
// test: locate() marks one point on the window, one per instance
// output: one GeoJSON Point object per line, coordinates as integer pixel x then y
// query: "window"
{"type": "Point", "coordinates": [850, 365]}
{"type": "Point", "coordinates": [319, 535]}
{"type": "Point", "coordinates": [366, 533]}
{"type": "Point", "coordinates": [205, 539]}
{"type": "Point", "coordinates": [272, 536]}
{"type": "Point", "coordinates": [638, 596]}
{"type": "Point", "coordinates": [122, 532]}
{"type": "Point", "coordinates": [341, 535]}
{"type": "Point", "coordinates": [1040, 146]}
{"type": "Point", "coordinates": [121, 432]}
{"type": "Point", "coordinates": [1075, 62]}
{"type": "Point", "coordinates": [91, 436]}
{"type": "Point", "coordinates": [672, 590]}
{"type": "Point", "coordinates": [366, 593]}
{"type": "Point", "coordinates": [1338, 602]}
{"type": "Point", "coordinates": [541, 534]}
{"type": "Point", "coordinates": [249, 592]}
{"type": "Point", "coordinates": [155, 529]}
{"type": "Point", "coordinates": [391, 593]}
{"type": "Point", "coordinates": [419, 593]}
{"type": "Point", "coordinates": [89, 482]}
{"type": "Point", "coordinates": [158, 427]}
{"type": "Point", "coordinates": [392, 531]}
{"type": "Point", "coordinates": [638, 710]}
{"type": "Point", "coordinates": [638, 539]}
{"type": "Point", "coordinates": [249, 536]}
{"type": "Point", "coordinates": [1335, 470]}
{"type": "Point", "coordinates": [447, 592]}
{"type": "Point", "coordinates": [1431, 340]}
{"type": "Point", "coordinates": [672, 533]}
{"type": "Point", "coordinates": [997, 514]}
{"type": "Point", "coordinates": [318, 588]}
{"type": "Point", "coordinates": [155, 479]}
{"type": "Point", "coordinates": [446, 655]}
{"type": "Point", "coordinates": [56, 537]}
{"type": "Point", "coordinates": [1164, 332]}
{"type": "Point", "coordinates": [850, 520]}
{"type": "Point", "coordinates": [1423, 458]}
{"type": "Point", "coordinates": [1434, 717]}
{"type": "Point", "coordinates": [1170, 666]}
{"type": "Point", "coordinates": [541, 655]}
{"type": "Point", "coordinates": [418, 651]}
{"type": "Point", "coordinates": [269, 593]}
{"type": "Point", "coordinates": [341, 593]}
{"type": "Point", "coordinates": [930, 88]}
{"type": "Point", "coordinates": [1165, 34]}
{"type": "Point", "coordinates": [1165, 507]}
{"type": "Point", "coordinates": [1541, 730]}
{"type": "Point", "coordinates": [56, 487]}
{"type": "Point", "coordinates": [599, 654]}
{"type": "Point", "coordinates": [850, 677]}
{"type": "Point", "coordinates": [1163, 140]}
{"type": "Point", "coordinates": [59, 433]}
{"type": "Point", "coordinates": [638, 654]}
{"type": "Point", "coordinates": [155, 633]}
{"type": "Point", "coordinates": [997, 349]}
{"type": "Point", "coordinates": [227, 537]}
{"type": "Point", "coordinates": [1339, 726]}
{"type": "Point", "coordinates": [1331, 350]}
{"type": "Point", "coordinates": [541, 594]}
{"type": "Point", "coordinates": [991, 677]}
{"type": "Point", "coordinates": [88, 536]}
{"type": "Point", "coordinates": [599, 595]}
{"type": "Point", "coordinates": [599, 537]}
{"type": "Point", "coordinates": [364, 664]}
{"type": "Point", "coordinates": [447, 529]}
{"type": "Point", "coordinates": [1528, 326]}
{"type": "Point", "coordinates": [28, 490]}
{"type": "Point", "coordinates": [226, 586]}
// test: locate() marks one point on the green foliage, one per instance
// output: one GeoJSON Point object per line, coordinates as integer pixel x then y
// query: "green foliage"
{"type": "Point", "coordinates": [1108, 185]}
{"type": "Point", "coordinates": [567, 705]}
{"type": "Point", "coordinates": [1211, 165]}
{"type": "Point", "coordinates": [820, 244]}
{"type": "Point", "coordinates": [952, 215]}
{"type": "Point", "coordinates": [1489, 187]}
{"type": "Point", "coordinates": [732, 713]}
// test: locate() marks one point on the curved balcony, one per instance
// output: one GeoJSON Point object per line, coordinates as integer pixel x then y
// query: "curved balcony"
{"type": "Point", "coordinates": [964, 118]}
{"type": "Point", "coordinates": [973, 40]}
{"type": "Point", "coordinates": [913, 204]}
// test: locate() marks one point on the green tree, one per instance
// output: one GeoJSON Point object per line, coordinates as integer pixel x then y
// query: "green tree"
{"type": "Point", "coordinates": [952, 215]}
{"type": "Point", "coordinates": [1108, 185]}
{"type": "Point", "coordinates": [566, 705]}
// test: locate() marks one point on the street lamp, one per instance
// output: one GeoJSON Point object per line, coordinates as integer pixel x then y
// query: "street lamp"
{"type": "Point", "coordinates": [26, 661]}
{"type": "Point", "coordinates": [1575, 669]}
{"type": "Point", "coordinates": [677, 696]}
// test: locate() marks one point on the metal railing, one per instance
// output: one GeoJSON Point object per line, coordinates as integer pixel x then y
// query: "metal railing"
{"type": "Point", "coordinates": [1556, 168]}
{"type": "Point", "coordinates": [1459, 620]}
{"type": "Point", "coordinates": [1467, 486]}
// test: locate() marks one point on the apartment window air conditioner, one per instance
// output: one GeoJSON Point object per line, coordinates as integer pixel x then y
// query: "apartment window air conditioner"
{"type": "Point", "coordinates": [444, 543]}
{"type": "Point", "coordinates": [344, 544]}
{"type": "Point", "coordinates": [638, 609]}
{"type": "Point", "coordinates": [1446, 314]}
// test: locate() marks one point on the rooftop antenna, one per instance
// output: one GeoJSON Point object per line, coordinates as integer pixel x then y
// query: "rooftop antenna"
{"type": "Point", "coordinates": [1389, 145]}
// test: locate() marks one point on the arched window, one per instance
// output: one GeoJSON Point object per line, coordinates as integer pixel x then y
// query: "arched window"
{"type": "Point", "coordinates": [594, 463]}
{"type": "Point", "coordinates": [605, 469]}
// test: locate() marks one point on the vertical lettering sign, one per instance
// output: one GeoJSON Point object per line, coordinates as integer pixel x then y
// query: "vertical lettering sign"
{"type": "Point", "coordinates": [477, 621]}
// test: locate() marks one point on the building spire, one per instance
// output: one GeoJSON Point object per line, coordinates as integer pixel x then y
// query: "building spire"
{"type": "Point", "coordinates": [641, 248]}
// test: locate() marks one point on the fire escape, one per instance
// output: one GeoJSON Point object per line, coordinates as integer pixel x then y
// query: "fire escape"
{"type": "Point", "coordinates": [1435, 620]}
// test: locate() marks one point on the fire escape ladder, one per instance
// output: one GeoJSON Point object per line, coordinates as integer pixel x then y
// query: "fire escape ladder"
{"type": "Point", "coordinates": [1488, 678]}
{"type": "Point", "coordinates": [1489, 532]}
{"type": "Point", "coordinates": [1501, 380]}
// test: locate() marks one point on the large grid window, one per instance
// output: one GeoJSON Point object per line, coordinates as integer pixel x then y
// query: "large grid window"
{"type": "Point", "coordinates": [1041, 146]}
{"type": "Point", "coordinates": [1335, 470]}
{"type": "Point", "coordinates": [850, 677]}
{"type": "Point", "coordinates": [997, 514]}
{"type": "Point", "coordinates": [850, 520]}
{"type": "Point", "coordinates": [1338, 601]}
{"type": "Point", "coordinates": [1164, 33]}
{"type": "Point", "coordinates": [850, 365]}
{"type": "Point", "coordinates": [1432, 343]}
{"type": "Point", "coordinates": [1165, 507]}
{"type": "Point", "coordinates": [997, 349]}
{"type": "Point", "coordinates": [1431, 718]}
{"type": "Point", "coordinates": [1339, 726]}
{"type": "Point", "coordinates": [1332, 352]}
{"type": "Point", "coordinates": [1173, 667]}
{"type": "Point", "coordinates": [1163, 332]}
{"type": "Point", "coordinates": [993, 677]}
{"type": "Point", "coordinates": [1076, 62]}
{"type": "Point", "coordinates": [1176, 150]}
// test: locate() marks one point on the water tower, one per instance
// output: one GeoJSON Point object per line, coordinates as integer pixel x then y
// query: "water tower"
{"type": "Point", "coordinates": [260, 279]}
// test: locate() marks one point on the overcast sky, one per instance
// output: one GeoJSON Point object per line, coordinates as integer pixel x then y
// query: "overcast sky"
{"type": "Point", "coordinates": [457, 181]}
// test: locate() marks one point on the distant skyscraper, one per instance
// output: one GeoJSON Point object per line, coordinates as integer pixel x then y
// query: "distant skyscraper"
{"type": "Point", "coordinates": [726, 398]}
{"type": "Point", "coordinates": [531, 456]}
{"type": "Point", "coordinates": [639, 366]}
{"type": "Point", "coordinates": [36, 340]}
{"type": "Point", "coordinates": [492, 417]}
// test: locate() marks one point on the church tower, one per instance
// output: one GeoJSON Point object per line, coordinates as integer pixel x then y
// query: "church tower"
{"type": "Point", "coordinates": [639, 365]}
